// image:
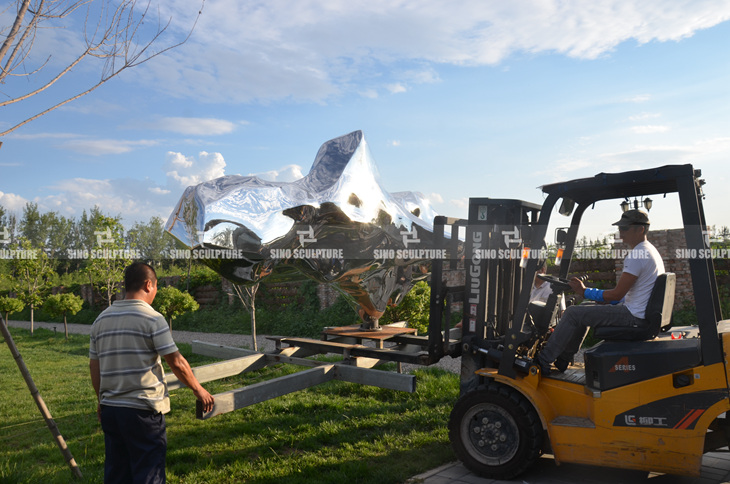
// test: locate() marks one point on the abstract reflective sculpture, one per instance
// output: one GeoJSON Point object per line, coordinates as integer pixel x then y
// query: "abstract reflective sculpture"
{"type": "Point", "coordinates": [336, 225]}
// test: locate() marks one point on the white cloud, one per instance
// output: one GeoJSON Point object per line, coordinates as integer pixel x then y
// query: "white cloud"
{"type": "Point", "coordinates": [639, 98]}
{"type": "Point", "coordinates": [394, 142]}
{"type": "Point", "coordinates": [12, 202]}
{"type": "Point", "coordinates": [132, 199]}
{"type": "Point", "coordinates": [649, 129]}
{"type": "Point", "coordinates": [288, 173]}
{"type": "Point", "coordinates": [196, 126]}
{"type": "Point", "coordinates": [644, 116]}
{"type": "Point", "coordinates": [396, 88]}
{"type": "Point", "coordinates": [99, 147]}
{"type": "Point", "coordinates": [312, 50]}
{"type": "Point", "coordinates": [184, 171]}
{"type": "Point", "coordinates": [435, 197]}
{"type": "Point", "coordinates": [460, 203]}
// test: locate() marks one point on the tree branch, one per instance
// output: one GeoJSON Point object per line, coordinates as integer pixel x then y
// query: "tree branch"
{"type": "Point", "coordinates": [114, 39]}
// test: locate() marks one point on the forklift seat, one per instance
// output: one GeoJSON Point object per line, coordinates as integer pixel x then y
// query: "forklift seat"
{"type": "Point", "coordinates": [658, 314]}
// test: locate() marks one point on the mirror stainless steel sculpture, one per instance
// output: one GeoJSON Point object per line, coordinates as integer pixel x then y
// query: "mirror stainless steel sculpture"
{"type": "Point", "coordinates": [336, 225]}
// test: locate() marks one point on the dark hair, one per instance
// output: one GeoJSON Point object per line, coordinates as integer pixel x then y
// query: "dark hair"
{"type": "Point", "coordinates": [136, 274]}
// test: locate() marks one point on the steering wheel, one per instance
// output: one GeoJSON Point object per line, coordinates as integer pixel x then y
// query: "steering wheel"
{"type": "Point", "coordinates": [557, 282]}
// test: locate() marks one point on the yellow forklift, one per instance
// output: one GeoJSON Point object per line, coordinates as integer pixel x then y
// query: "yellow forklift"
{"type": "Point", "coordinates": [642, 400]}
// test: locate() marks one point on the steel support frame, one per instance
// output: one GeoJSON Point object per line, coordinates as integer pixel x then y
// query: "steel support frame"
{"type": "Point", "coordinates": [246, 360]}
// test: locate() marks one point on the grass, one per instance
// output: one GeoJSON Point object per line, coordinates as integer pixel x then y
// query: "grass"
{"type": "Point", "coordinates": [333, 433]}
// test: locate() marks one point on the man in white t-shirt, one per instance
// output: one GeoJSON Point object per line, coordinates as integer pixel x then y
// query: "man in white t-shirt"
{"type": "Point", "coordinates": [641, 267]}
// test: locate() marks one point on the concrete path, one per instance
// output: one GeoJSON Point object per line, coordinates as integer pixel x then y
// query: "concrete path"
{"type": "Point", "coordinates": [715, 470]}
{"type": "Point", "coordinates": [715, 465]}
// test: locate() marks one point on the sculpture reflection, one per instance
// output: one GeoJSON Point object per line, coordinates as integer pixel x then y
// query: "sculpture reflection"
{"type": "Point", "coordinates": [336, 225]}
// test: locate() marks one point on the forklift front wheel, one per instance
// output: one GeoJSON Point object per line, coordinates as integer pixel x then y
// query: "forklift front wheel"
{"type": "Point", "coordinates": [495, 431]}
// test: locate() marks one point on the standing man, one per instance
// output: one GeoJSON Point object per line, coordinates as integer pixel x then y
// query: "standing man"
{"type": "Point", "coordinates": [127, 340]}
{"type": "Point", "coordinates": [641, 267]}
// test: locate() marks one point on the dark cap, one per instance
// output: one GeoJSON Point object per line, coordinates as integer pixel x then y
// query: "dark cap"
{"type": "Point", "coordinates": [633, 217]}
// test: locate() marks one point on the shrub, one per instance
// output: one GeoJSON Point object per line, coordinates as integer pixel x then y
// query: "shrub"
{"type": "Point", "coordinates": [61, 304]}
{"type": "Point", "coordinates": [171, 302]}
{"type": "Point", "coordinates": [9, 305]}
{"type": "Point", "coordinates": [414, 308]}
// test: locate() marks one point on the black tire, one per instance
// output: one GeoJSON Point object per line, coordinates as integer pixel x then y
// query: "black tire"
{"type": "Point", "coordinates": [495, 431]}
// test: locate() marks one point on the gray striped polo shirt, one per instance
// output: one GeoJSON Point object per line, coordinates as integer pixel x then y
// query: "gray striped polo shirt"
{"type": "Point", "coordinates": [128, 339]}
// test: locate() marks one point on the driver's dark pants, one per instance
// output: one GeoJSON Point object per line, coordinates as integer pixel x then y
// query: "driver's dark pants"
{"type": "Point", "coordinates": [573, 326]}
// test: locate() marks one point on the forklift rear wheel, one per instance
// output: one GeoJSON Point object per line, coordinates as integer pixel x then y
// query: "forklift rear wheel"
{"type": "Point", "coordinates": [495, 431]}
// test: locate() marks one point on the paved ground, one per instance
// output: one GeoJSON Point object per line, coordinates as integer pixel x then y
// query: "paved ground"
{"type": "Point", "coordinates": [715, 470]}
{"type": "Point", "coordinates": [715, 465]}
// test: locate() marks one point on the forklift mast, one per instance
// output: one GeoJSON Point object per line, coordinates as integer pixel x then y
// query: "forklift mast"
{"type": "Point", "coordinates": [505, 246]}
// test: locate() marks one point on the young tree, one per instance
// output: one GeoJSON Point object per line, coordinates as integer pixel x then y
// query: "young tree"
{"type": "Point", "coordinates": [109, 257]}
{"type": "Point", "coordinates": [62, 304]}
{"type": "Point", "coordinates": [151, 239]}
{"type": "Point", "coordinates": [84, 241]}
{"type": "Point", "coordinates": [247, 295]}
{"type": "Point", "coordinates": [10, 305]}
{"type": "Point", "coordinates": [31, 276]}
{"type": "Point", "coordinates": [171, 302]}
{"type": "Point", "coordinates": [111, 36]}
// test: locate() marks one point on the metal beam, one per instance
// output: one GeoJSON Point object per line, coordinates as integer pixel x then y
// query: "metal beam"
{"type": "Point", "coordinates": [260, 392]}
{"type": "Point", "coordinates": [243, 397]}
{"type": "Point", "coordinates": [216, 371]}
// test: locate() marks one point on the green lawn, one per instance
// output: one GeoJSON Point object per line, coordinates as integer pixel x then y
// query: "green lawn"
{"type": "Point", "coordinates": [334, 433]}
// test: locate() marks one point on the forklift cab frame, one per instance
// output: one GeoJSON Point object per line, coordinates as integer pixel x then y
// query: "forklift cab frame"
{"type": "Point", "coordinates": [487, 313]}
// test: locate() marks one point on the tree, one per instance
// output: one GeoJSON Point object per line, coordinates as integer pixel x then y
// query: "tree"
{"type": "Point", "coordinates": [247, 295]}
{"type": "Point", "coordinates": [109, 257]}
{"type": "Point", "coordinates": [32, 273]}
{"type": "Point", "coordinates": [171, 302]}
{"type": "Point", "coordinates": [111, 35]}
{"type": "Point", "coordinates": [151, 239]}
{"type": "Point", "coordinates": [32, 227]}
{"type": "Point", "coordinates": [61, 304]}
{"type": "Point", "coordinates": [59, 235]}
{"type": "Point", "coordinates": [10, 305]}
{"type": "Point", "coordinates": [7, 227]}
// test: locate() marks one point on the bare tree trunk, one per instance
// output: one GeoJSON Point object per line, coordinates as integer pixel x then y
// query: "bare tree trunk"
{"type": "Point", "coordinates": [254, 288]}
{"type": "Point", "coordinates": [247, 295]}
{"type": "Point", "coordinates": [65, 325]}
{"type": "Point", "coordinates": [91, 290]}
{"type": "Point", "coordinates": [39, 401]}
{"type": "Point", "coordinates": [31, 320]}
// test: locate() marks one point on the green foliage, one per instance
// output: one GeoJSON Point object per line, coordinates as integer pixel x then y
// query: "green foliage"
{"type": "Point", "coordinates": [151, 239]}
{"type": "Point", "coordinates": [106, 270]}
{"type": "Point", "coordinates": [332, 433]}
{"type": "Point", "coordinates": [31, 276]}
{"type": "Point", "coordinates": [200, 275]}
{"type": "Point", "coordinates": [62, 304]}
{"type": "Point", "coordinates": [414, 308]}
{"type": "Point", "coordinates": [171, 302]}
{"type": "Point", "coordinates": [10, 305]}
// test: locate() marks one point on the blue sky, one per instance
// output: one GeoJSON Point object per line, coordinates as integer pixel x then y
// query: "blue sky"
{"type": "Point", "coordinates": [456, 100]}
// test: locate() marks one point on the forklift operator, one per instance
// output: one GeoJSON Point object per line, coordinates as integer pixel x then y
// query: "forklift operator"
{"type": "Point", "coordinates": [641, 267]}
